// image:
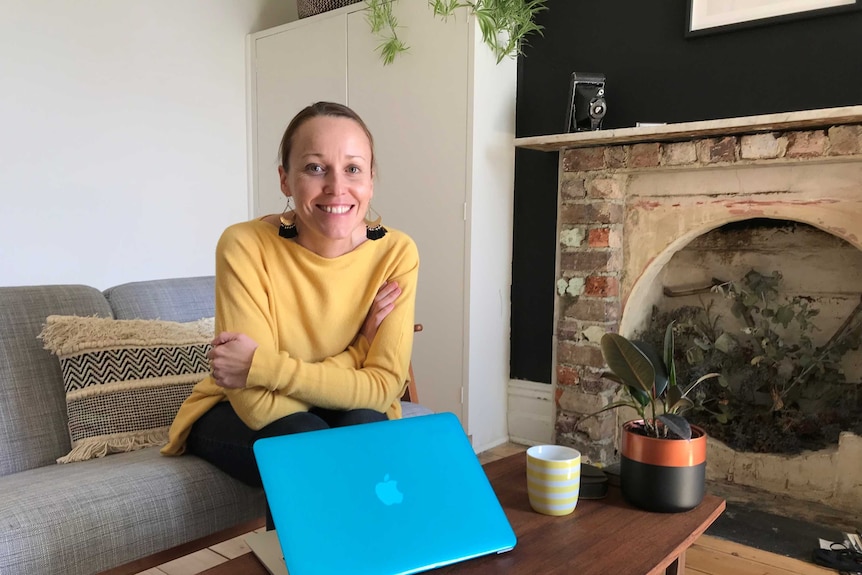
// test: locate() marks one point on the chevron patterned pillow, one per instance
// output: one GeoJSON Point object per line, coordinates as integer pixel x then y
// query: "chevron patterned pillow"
{"type": "Point", "coordinates": [124, 379]}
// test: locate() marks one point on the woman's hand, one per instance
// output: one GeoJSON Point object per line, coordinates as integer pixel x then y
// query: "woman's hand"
{"type": "Point", "coordinates": [384, 303]}
{"type": "Point", "coordinates": [230, 358]}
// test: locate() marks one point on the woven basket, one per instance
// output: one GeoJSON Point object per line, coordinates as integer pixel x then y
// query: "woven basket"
{"type": "Point", "coordinates": [305, 8]}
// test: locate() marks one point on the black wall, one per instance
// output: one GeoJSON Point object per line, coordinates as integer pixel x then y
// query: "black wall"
{"type": "Point", "coordinates": [654, 74]}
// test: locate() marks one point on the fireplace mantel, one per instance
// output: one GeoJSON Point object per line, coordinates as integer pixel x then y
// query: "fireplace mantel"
{"type": "Point", "coordinates": [807, 119]}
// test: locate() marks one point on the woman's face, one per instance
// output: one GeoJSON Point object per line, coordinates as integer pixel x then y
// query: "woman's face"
{"type": "Point", "coordinates": [330, 178]}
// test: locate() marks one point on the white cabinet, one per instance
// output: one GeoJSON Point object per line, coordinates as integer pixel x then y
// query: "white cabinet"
{"type": "Point", "coordinates": [442, 116]}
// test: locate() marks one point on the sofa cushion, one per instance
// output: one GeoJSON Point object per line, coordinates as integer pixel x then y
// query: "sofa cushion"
{"type": "Point", "coordinates": [125, 379]}
{"type": "Point", "coordinates": [409, 409]}
{"type": "Point", "coordinates": [175, 299]}
{"type": "Point", "coordinates": [33, 426]}
{"type": "Point", "coordinates": [86, 517]}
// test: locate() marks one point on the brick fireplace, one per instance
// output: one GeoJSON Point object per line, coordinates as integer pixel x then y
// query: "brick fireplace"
{"type": "Point", "coordinates": [632, 198]}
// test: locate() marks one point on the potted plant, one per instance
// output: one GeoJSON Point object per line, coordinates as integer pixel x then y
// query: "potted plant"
{"type": "Point", "coordinates": [504, 24]}
{"type": "Point", "coordinates": [663, 457]}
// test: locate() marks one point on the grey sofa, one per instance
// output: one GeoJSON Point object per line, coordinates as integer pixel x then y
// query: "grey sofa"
{"type": "Point", "coordinates": [87, 517]}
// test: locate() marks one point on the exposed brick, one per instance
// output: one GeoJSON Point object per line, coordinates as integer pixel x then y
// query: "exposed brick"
{"type": "Point", "coordinates": [562, 284]}
{"type": "Point", "coordinates": [576, 409]}
{"type": "Point", "coordinates": [593, 334]}
{"type": "Point", "coordinates": [572, 237]}
{"type": "Point", "coordinates": [599, 385]}
{"type": "Point", "coordinates": [572, 287]}
{"type": "Point", "coordinates": [762, 146]}
{"type": "Point", "coordinates": [615, 238]}
{"type": "Point", "coordinates": [575, 400]}
{"type": "Point", "coordinates": [572, 186]}
{"type": "Point", "coordinates": [567, 376]}
{"type": "Point", "coordinates": [604, 188]}
{"type": "Point", "coordinates": [583, 159]}
{"type": "Point", "coordinates": [643, 155]}
{"type": "Point", "coordinates": [586, 261]}
{"type": "Point", "coordinates": [591, 213]}
{"type": "Point", "coordinates": [717, 150]}
{"type": "Point", "coordinates": [602, 286]}
{"type": "Point", "coordinates": [592, 450]}
{"type": "Point", "coordinates": [579, 354]}
{"type": "Point", "coordinates": [567, 423]}
{"type": "Point", "coordinates": [568, 329]}
{"type": "Point", "coordinates": [615, 157]}
{"type": "Point", "coordinates": [601, 426]}
{"type": "Point", "coordinates": [599, 237]}
{"type": "Point", "coordinates": [845, 140]}
{"type": "Point", "coordinates": [590, 309]}
{"type": "Point", "coordinates": [806, 144]}
{"type": "Point", "coordinates": [678, 153]}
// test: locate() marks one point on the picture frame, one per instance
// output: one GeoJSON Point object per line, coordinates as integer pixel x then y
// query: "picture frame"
{"type": "Point", "coordinates": [714, 16]}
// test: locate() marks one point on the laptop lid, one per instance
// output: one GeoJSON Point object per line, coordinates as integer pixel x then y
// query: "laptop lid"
{"type": "Point", "coordinates": [392, 497]}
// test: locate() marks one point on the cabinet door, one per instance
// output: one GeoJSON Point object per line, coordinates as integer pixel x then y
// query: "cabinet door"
{"type": "Point", "coordinates": [291, 68]}
{"type": "Point", "coordinates": [417, 110]}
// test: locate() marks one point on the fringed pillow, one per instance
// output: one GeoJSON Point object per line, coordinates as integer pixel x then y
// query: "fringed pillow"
{"type": "Point", "coordinates": [125, 379]}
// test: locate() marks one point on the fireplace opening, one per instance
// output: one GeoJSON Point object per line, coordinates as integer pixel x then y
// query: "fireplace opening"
{"type": "Point", "coordinates": [774, 306]}
{"type": "Point", "coordinates": [778, 195]}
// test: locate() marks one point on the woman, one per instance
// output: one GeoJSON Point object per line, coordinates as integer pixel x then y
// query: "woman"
{"type": "Point", "coordinates": [314, 309]}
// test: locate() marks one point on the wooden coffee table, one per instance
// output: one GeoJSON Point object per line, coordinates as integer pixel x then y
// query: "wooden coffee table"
{"type": "Point", "coordinates": [602, 536]}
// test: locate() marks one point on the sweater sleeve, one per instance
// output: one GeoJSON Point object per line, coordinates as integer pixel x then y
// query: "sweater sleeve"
{"type": "Point", "coordinates": [365, 375]}
{"type": "Point", "coordinates": [375, 385]}
{"type": "Point", "coordinates": [244, 298]}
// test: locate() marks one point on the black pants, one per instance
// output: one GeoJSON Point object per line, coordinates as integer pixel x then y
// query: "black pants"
{"type": "Point", "coordinates": [222, 438]}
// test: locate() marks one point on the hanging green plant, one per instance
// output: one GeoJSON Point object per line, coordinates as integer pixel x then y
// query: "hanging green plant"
{"type": "Point", "coordinates": [504, 24]}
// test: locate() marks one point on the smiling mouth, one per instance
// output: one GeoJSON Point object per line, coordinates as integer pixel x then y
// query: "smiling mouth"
{"type": "Point", "coordinates": [336, 209]}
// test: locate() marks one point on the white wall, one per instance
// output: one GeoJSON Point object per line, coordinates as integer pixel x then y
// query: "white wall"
{"type": "Point", "coordinates": [491, 171]}
{"type": "Point", "coordinates": [122, 135]}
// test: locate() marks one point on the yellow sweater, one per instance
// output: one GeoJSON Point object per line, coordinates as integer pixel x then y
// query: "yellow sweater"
{"type": "Point", "coordinates": [305, 312]}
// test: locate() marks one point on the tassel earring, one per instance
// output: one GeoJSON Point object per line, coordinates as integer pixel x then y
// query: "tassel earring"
{"type": "Point", "coordinates": [287, 229]}
{"type": "Point", "coordinates": [373, 229]}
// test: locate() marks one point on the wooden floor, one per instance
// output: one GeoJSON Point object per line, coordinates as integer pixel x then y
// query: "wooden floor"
{"type": "Point", "coordinates": [708, 555]}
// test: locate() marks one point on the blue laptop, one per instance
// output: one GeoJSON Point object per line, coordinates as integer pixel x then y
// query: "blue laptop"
{"type": "Point", "coordinates": [385, 498]}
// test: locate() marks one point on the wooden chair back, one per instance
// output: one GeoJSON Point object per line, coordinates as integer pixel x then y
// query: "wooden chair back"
{"type": "Point", "coordinates": [410, 394]}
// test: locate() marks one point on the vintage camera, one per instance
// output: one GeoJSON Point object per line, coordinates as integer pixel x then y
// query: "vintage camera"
{"type": "Point", "coordinates": [587, 106]}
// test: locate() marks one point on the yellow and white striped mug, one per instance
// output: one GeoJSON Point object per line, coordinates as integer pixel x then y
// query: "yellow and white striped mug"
{"type": "Point", "coordinates": [553, 478]}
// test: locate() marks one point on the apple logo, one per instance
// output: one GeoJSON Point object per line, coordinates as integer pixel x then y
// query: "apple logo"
{"type": "Point", "coordinates": [387, 491]}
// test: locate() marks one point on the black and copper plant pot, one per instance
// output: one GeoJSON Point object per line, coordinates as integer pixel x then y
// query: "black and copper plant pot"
{"type": "Point", "coordinates": [664, 475]}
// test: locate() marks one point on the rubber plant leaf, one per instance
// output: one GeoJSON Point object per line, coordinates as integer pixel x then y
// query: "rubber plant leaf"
{"type": "Point", "coordinates": [617, 404]}
{"type": "Point", "coordinates": [628, 362]}
{"type": "Point", "coordinates": [677, 424]}
{"type": "Point", "coordinates": [661, 375]}
{"type": "Point", "coordinates": [669, 362]}
{"type": "Point", "coordinates": [639, 395]}
{"type": "Point", "coordinates": [675, 400]}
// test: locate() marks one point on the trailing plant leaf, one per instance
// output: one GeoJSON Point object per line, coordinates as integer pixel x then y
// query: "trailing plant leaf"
{"type": "Point", "coordinates": [390, 49]}
{"type": "Point", "coordinates": [384, 24]}
{"type": "Point", "coordinates": [503, 24]}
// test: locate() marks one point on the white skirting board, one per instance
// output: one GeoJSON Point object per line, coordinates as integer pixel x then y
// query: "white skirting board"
{"type": "Point", "coordinates": [531, 412]}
